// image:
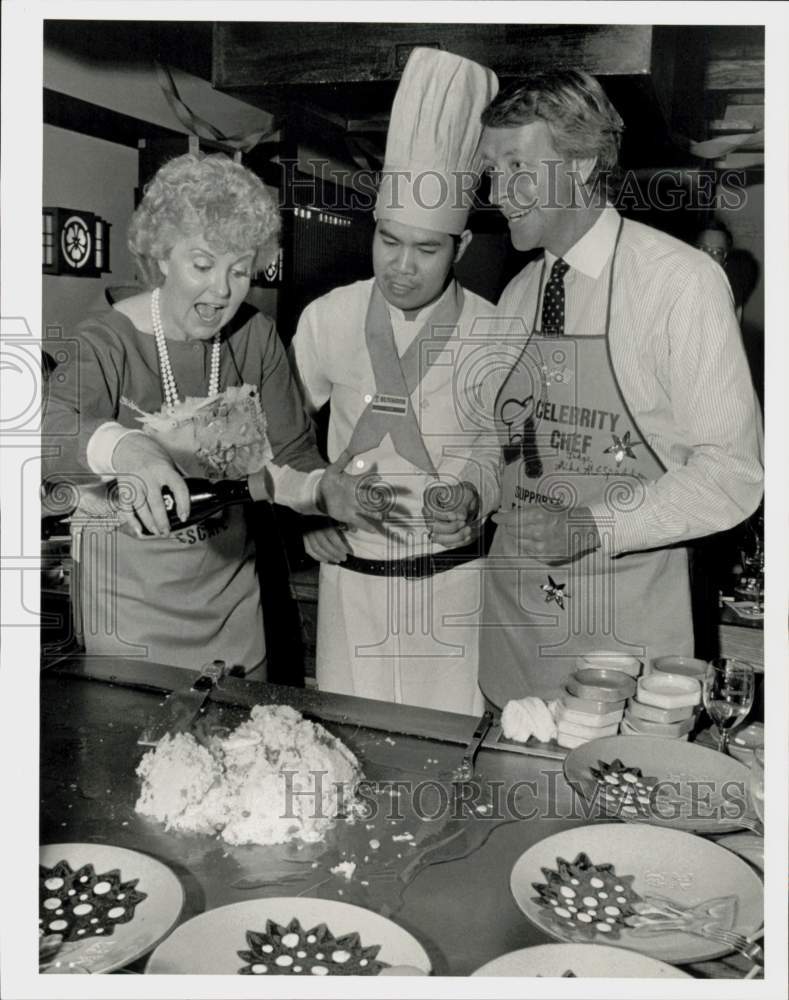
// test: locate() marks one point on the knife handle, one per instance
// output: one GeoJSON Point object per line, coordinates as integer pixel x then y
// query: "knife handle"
{"type": "Point", "coordinates": [210, 676]}
{"type": "Point", "coordinates": [484, 724]}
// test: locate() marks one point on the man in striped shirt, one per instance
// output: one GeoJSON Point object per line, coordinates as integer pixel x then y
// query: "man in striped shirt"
{"type": "Point", "coordinates": [618, 318]}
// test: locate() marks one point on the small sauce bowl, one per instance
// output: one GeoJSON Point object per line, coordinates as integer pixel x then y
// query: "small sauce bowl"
{"type": "Point", "coordinates": [606, 660]}
{"type": "Point", "coordinates": [687, 666]}
{"type": "Point", "coordinates": [668, 690]}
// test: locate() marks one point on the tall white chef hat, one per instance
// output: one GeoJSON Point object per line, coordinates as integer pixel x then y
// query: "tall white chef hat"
{"type": "Point", "coordinates": [431, 163]}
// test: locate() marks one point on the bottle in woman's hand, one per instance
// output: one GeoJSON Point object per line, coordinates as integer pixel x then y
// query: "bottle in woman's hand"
{"type": "Point", "coordinates": [205, 498]}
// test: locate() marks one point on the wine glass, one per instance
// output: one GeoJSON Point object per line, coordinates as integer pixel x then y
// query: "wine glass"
{"type": "Point", "coordinates": [728, 695]}
{"type": "Point", "coordinates": [756, 783]}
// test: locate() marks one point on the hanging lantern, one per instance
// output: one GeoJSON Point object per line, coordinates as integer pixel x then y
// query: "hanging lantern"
{"type": "Point", "coordinates": [74, 242]}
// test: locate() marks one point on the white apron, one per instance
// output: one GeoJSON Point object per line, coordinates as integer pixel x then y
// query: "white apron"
{"type": "Point", "coordinates": [411, 641]}
{"type": "Point", "coordinates": [183, 600]}
{"type": "Point", "coordinates": [570, 439]}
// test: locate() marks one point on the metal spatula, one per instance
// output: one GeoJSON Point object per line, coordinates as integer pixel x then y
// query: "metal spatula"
{"type": "Point", "coordinates": [183, 705]}
{"type": "Point", "coordinates": [465, 770]}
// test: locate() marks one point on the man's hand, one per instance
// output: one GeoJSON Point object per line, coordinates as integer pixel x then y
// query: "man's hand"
{"type": "Point", "coordinates": [553, 536]}
{"type": "Point", "coordinates": [451, 512]}
{"type": "Point", "coordinates": [326, 545]}
{"type": "Point", "coordinates": [351, 500]}
{"type": "Point", "coordinates": [143, 467]}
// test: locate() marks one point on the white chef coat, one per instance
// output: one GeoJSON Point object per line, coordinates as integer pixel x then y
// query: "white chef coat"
{"type": "Point", "coordinates": [410, 641]}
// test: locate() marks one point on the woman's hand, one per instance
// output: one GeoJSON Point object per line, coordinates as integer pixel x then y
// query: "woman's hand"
{"type": "Point", "coordinates": [326, 545]}
{"type": "Point", "coordinates": [143, 468]}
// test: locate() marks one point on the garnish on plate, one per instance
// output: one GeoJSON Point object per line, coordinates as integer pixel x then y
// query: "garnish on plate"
{"type": "Point", "coordinates": [587, 900]}
{"type": "Point", "coordinates": [624, 788]}
{"type": "Point", "coordinates": [292, 951]}
{"type": "Point", "coordinates": [81, 904]}
{"type": "Point", "coordinates": [627, 792]}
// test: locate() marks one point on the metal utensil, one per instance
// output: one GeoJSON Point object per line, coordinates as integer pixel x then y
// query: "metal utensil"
{"type": "Point", "coordinates": [746, 946]}
{"type": "Point", "coordinates": [656, 914]}
{"type": "Point", "coordinates": [183, 705]}
{"type": "Point", "coordinates": [465, 770]}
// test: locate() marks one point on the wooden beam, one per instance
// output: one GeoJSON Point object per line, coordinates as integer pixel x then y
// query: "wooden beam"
{"type": "Point", "coordinates": [255, 55]}
{"type": "Point", "coordinates": [77, 115]}
{"type": "Point", "coordinates": [755, 97]}
{"type": "Point", "coordinates": [737, 41]}
{"type": "Point", "coordinates": [378, 123]}
{"type": "Point", "coordinates": [723, 125]}
{"type": "Point", "coordinates": [734, 74]}
{"type": "Point", "coordinates": [753, 113]}
{"type": "Point", "coordinates": [749, 158]}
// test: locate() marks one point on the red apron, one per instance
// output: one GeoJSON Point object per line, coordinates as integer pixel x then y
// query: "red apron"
{"type": "Point", "coordinates": [569, 439]}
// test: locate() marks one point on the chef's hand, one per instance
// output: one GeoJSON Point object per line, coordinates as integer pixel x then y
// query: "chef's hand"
{"type": "Point", "coordinates": [326, 545]}
{"type": "Point", "coordinates": [351, 500]}
{"type": "Point", "coordinates": [451, 511]}
{"type": "Point", "coordinates": [143, 467]}
{"type": "Point", "coordinates": [535, 531]}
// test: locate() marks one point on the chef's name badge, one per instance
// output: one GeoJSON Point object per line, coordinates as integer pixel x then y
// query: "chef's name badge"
{"type": "Point", "coordinates": [397, 405]}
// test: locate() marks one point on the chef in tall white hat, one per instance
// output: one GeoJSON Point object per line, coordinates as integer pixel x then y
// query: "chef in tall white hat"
{"type": "Point", "coordinates": [398, 603]}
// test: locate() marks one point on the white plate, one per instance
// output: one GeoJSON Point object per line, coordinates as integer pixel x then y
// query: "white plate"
{"type": "Point", "coordinates": [153, 916]}
{"type": "Point", "coordinates": [747, 845]}
{"type": "Point", "coordinates": [209, 944]}
{"type": "Point", "coordinates": [584, 960]}
{"type": "Point", "coordinates": [696, 788]}
{"type": "Point", "coordinates": [671, 864]}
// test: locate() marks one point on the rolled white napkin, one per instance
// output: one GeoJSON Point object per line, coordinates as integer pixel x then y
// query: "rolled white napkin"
{"type": "Point", "coordinates": [523, 718]}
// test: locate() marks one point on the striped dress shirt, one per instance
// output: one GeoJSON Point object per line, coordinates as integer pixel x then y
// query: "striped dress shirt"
{"type": "Point", "coordinates": [678, 355]}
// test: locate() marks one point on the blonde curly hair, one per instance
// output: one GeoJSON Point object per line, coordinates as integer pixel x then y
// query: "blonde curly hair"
{"type": "Point", "coordinates": [210, 195]}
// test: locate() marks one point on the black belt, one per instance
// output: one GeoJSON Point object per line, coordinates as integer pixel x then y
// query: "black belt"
{"type": "Point", "coordinates": [417, 566]}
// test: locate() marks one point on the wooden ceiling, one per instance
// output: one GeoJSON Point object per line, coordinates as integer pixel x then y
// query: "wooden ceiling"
{"type": "Point", "coordinates": [332, 84]}
{"type": "Point", "coordinates": [332, 81]}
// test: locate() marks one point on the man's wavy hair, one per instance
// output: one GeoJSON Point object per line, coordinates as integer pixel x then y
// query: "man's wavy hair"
{"type": "Point", "coordinates": [582, 121]}
{"type": "Point", "coordinates": [208, 195]}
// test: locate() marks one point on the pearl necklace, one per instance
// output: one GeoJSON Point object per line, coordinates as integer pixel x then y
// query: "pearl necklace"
{"type": "Point", "coordinates": [169, 386]}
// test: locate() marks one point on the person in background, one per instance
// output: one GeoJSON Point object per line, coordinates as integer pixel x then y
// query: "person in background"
{"type": "Point", "coordinates": [182, 597]}
{"type": "Point", "coordinates": [716, 241]}
{"type": "Point", "coordinates": [398, 601]}
{"type": "Point", "coordinates": [629, 422]}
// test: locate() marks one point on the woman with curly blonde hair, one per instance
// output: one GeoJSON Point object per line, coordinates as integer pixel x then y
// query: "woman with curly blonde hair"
{"type": "Point", "coordinates": [187, 344]}
{"type": "Point", "coordinates": [213, 196]}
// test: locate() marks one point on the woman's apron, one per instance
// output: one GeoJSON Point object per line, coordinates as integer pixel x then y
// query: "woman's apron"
{"type": "Point", "coordinates": [183, 600]}
{"type": "Point", "coordinates": [569, 440]}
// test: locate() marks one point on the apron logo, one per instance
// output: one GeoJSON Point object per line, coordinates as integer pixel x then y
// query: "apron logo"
{"type": "Point", "coordinates": [554, 592]}
{"type": "Point", "coordinates": [516, 415]}
{"type": "Point", "coordinates": [621, 448]}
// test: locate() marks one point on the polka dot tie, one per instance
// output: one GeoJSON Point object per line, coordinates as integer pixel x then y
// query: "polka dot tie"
{"type": "Point", "coordinates": [553, 301]}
